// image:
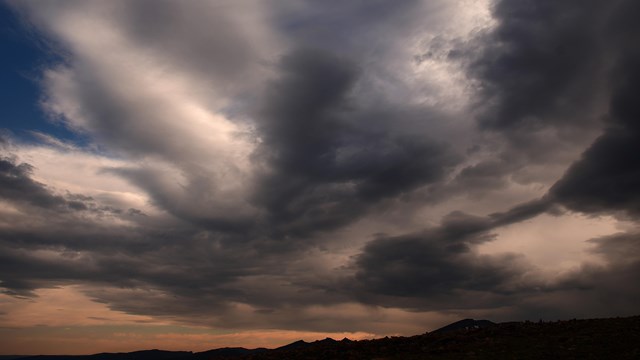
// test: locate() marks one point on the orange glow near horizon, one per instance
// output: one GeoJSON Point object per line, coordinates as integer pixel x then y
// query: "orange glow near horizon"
{"type": "Point", "coordinates": [65, 321]}
{"type": "Point", "coordinates": [90, 340]}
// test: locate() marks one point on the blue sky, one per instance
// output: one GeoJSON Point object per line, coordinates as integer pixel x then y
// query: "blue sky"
{"type": "Point", "coordinates": [25, 55]}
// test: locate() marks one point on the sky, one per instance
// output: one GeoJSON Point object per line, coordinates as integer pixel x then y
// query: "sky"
{"type": "Point", "coordinates": [188, 175]}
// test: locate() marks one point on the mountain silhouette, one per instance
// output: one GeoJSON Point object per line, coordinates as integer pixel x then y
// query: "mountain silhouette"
{"type": "Point", "coordinates": [136, 355]}
{"type": "Point", "coordinates": [464, 339]}
{"type": "Point", "coordinates": [225, 353]}
{"type": "Point", "coordinates": [466, 324]}
{"type": "Point", "coordinates": [294, 345]}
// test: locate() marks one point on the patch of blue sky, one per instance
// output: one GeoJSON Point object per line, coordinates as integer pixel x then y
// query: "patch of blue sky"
{"type": "Point", "coordinates": [23, 57]}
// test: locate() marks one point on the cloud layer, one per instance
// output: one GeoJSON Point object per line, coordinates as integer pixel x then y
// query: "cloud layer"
{"type": "Point", "coordinates": [326, 166]}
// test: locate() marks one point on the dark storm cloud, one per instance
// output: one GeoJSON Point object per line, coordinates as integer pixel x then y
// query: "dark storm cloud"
{"type": "Point", "coordinates": [53, 249]}
{"type": "Point", "coordinates": [557, 66]}
{"type": "Point", "coordinates": [188, 272]}
{"type": "Point", "coordinates": [524, 211]}
{"type": "Point", "coordinates": [24, 271]}
{"type": "Point", "coordinates": [607, 177]}
{"type": "Point", "coordinates": [439, 268]}
{"type": "Point", "coordinates": [426, 272]}
{"type": "Point", "coordinates": [187, 277]}
{"type": "Point", "coordinates": [331, 149]}
{"type": "Point", "coordinates": [16, 184]}
{"type": "Point", "coordinates": [327, 163]}
{"type": "Point", "coordinates": [540, 81]}
{"type": "Point", "coordinates": [483, 176]}
{"type": "Point", "coordinates": [69, 238]}
{"type": "Point", "coordinates": [540, 69]}
{"type": "Point", "coordinates": [539, 65]}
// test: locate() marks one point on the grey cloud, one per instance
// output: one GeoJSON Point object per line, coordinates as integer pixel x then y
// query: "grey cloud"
{"type": "Point", "coordinates": [439, 268]}
{"type": "Point", "coordinates": [18, 187]}
{"type": "Point", "coordinates": [606, 178]}
{"type": "Point", "coordinates": [608, 288]}
{"type": "Point", "coordinates": [24, 271]}
{"type": "Point", "coordinates": [551, 68]}
{"type": "Point", "coordinates": [102, 97]}
{"type": "Point", "coordinates": [201, 44]}
{"type": "Point", "coordinates": [525, 211]}
{"type": "Point", "coordinates": [330, 150]}
{"type": "Point", "coordinates": [207, 270]}
{"type": "Point", "coordinates": [540, 64]}
{"type": "Point", "coordinates": [59, 219]}
{"type": "Point", "coordinates": [126, 122]}
{"type": "Point", "coordinates": [16, 184]}
{"type": "Point", "coordinates": [623, 248]}
{"type": "Point", "coordinates": [483, 176]}
{"type": "Point", "coordinates": [177, 262]}
{"type": "Point", "coordinates": [191, 202]}
{"type": "Point", "coordinates": [201, 37]}
{"type": "Point", "coordinates": [185, 277]}
{"type": "Point", "coordinates": [190, 274]}
{"type": "Point", "coordinates": [539, 78]}
{"type": "Point", "coordinates": [344, 26]}
{"type": "Point", "coordinates": [326, 164]}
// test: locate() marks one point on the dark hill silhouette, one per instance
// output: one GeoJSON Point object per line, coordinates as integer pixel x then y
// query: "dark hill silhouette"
{"type": "Point", "coordinates": [301, 344]}
{"type": "Point", "coordinates": [294, 345]}
{"type": "Point", "coordinates": [617, 338]}
{"type": "Point", "coordinates": [136, 355]}
{"type": "Point", "coordinates": [225, 353]}
{"type": "Point", "coordinates": [572, 339]}
{"type": "Point", "coordinates": [466, 324]}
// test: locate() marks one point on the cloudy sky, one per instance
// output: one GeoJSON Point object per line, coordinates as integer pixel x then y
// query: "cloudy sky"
{"type": "Point", "coordinates": [197, 174]}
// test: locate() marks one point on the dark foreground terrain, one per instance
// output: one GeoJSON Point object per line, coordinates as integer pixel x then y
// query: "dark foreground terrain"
{"type": "Point", "coordinates": [615, 338]}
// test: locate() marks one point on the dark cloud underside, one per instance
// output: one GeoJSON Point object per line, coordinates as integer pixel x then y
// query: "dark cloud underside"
{"type": "Point", "coordinates": [607, 178]}
{"type": "Point", "coordinates": [325, 165]}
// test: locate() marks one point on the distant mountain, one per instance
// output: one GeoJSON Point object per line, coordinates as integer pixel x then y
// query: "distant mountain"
{"type": "Point", "coordinates": [225, 353]}
{"type": "Point", "coordinates": [466, 324]}
{"type": "Point", "coordinates": [294, 345]}
{"type": "Point", "coordinates": [301, 344]}
{"type": "Point", "coordinates": [483, 339]}
{"type": "Point", "coordinates": [617, 338]}
{"type": "Point", "coordinates": [136, 355]}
